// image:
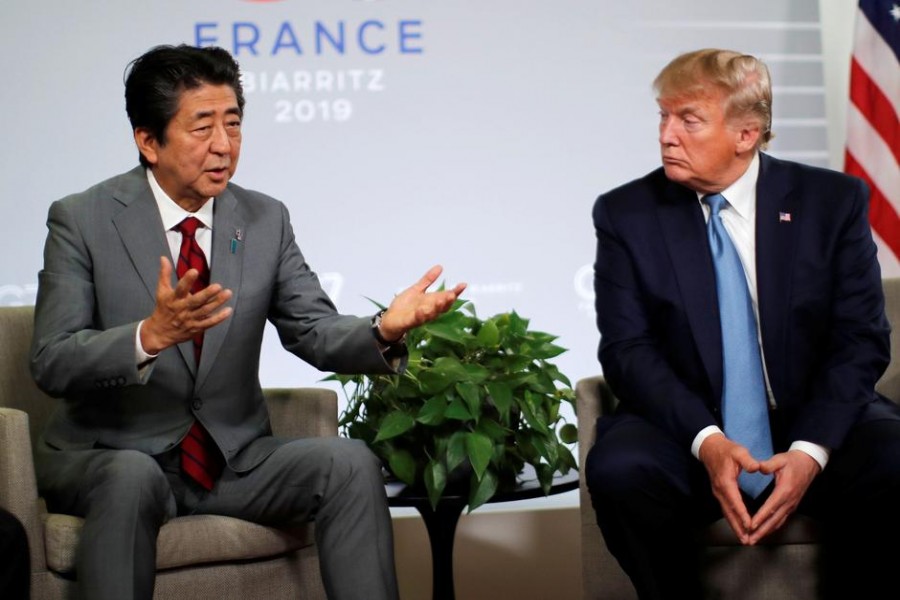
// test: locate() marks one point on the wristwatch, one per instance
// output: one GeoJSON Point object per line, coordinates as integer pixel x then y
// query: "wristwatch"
{"type": "Point", "coordinates": [376, 324]}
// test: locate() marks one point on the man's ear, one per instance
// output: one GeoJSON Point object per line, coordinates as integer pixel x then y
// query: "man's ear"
{"type": "Point", "coordinates": [147, 144]}
{"type": "Point", "coordinates": [747, 137]}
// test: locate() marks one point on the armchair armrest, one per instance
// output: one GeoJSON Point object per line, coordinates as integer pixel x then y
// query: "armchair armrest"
{"type": "Point", "coordinates": [593, 399]}
{"type": "Point", "coordinates": [302, 412]}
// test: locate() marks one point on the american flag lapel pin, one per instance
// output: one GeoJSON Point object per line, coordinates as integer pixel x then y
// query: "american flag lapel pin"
{"type": "Point", "coordinates": [784, 217]}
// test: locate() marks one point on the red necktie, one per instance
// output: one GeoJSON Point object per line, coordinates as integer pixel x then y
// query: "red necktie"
{"type": "Point", "coordinates": [191, 257]}
{"type": "Point", "coordinates": [200, 458]}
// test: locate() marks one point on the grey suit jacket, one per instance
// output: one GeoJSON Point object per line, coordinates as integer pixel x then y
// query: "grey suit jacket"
{"type": "Point", "coordinates": [101, 266]}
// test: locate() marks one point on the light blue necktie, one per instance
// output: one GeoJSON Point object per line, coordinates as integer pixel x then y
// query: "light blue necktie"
{"type": "Point", "coordinates": [744, 405]}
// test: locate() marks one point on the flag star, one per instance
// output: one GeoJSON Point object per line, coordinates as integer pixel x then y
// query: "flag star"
{"type": "Point", "coordinates": [895, 12]}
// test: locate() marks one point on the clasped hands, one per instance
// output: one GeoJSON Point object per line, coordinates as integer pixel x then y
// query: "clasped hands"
{"type": "Point", "coordinates": [179, 315]}
{"type": "Point", "coordinates": [724, 460]}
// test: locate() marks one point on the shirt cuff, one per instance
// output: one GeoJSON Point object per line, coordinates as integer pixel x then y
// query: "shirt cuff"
{"type": "Point", "coordinates": [701, 437]}
{"type": "Point", "coordinates": [819, 453]}
{"type": "Point", "coordinates": [143, 360]}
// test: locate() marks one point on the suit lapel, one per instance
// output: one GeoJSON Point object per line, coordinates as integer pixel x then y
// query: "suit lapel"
{"type": "Point", "coordinates": [225, 269]}
{"type": "Point", "coordinates": [776, 220]}
{"type": "Point", "coordinates": [140, 227]}
{"type": "Point", "coordinates": [684, 231]}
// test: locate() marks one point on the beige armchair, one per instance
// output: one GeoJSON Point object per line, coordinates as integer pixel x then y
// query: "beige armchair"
{"type": "Point", "coordinates": [783, 567]}
{"type": "Point", "coordinates": [201, 557]}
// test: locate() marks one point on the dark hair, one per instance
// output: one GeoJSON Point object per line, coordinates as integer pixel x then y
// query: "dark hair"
{"type": "Point", "coordinates": [155, 81]}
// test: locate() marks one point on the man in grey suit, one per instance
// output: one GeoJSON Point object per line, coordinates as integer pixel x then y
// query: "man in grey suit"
{"type": "Point", "coordinates": [114, 339]}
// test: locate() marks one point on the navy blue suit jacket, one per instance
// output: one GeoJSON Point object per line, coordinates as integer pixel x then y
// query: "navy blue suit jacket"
{"type": "Point", "coordinates": [821, 307]}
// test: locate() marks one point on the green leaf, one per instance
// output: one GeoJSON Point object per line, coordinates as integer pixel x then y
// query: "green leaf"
{"type": "Point", "coordinates": [445, 371]}
{"type": "Point", "coordinates": [456, 450]}
{"type": "Point", "coordinates": [532, 411]}
{"type": "Point", "coordinates": [479, 448]}
{"type": "Point", "coordinates": [547, 448]}
{"type": "Point", "coordinates": [476, 373]}
{"type": "Point", "coordinates": [545, 477]}
{"type": "Point", "coordinates": [498, 433]}
{"type": "Point", "coordinates": [517, 325]}
{"type": "Point", "coordinates": [469, 392]}
{"type": "Point", "coordinates": [566, 460]}
{"type": "Point", "coordinates": [434, 382]}
{"type": "Point", "coordinates": [394, 424]}
{"type": "Point", "coordinates": [546, 351]}
{"type": "Point", "coordinates": [432, 412]}
{"type": "Point", "coordinates": [488, 336]}
{"type": "Point", "coordinates": [482, 490]}
{"type": "Point", "coordinates": [554, 372]}
{"type": "Point", "coordinates": [568, 433]}
{"type": "Point", "coordinates": [435, 481]}
{"type": "Point", "coordinates": [451, 367]}
{"type": "Point", "coordinates": [447, 329]}
{"type": "Point", "coordinates": [403, 465]}
{"type": "Point", "coordinates": [457, 410]}
{"type": "Point", "coordinates": [502, 397]}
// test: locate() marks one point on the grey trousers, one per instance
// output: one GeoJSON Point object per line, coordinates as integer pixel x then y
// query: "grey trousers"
{"type": "Point", "coordinates": [125, 496]}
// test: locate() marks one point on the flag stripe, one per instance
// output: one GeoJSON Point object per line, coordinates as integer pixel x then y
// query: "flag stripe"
{"type": "Point", "coordinates": [875, 108]}
{"type": "Point", "coordinates": [873, 115]}
{"type": "Point", "coordinates": [882, 215]}
{"type": "Point", "coordinates": [873, 154]}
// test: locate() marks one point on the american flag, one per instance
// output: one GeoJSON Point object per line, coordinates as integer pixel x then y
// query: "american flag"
{"type": "Point", "coordinates": [873, 126]}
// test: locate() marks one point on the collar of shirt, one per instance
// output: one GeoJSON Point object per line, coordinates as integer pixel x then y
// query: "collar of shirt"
{"type": "Point", "coordinates": [172, 214]}
{"type": "Point", "coordinates": [741, 194]}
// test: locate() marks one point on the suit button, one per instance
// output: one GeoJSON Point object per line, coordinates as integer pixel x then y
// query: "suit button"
{"type": "Point", "coordinates": [120, 381]}
{"type": "Point", "coordinates": [197, 404]}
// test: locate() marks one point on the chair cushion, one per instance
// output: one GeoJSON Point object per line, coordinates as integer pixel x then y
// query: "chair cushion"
{"type": "Point", "coordinates": [185, 541]}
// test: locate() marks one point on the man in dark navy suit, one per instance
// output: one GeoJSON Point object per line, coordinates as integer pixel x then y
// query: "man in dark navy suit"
{"type": "Point", "coordinates": [664, 463]}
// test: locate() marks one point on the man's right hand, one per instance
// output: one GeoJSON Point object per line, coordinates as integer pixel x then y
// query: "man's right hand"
{"type": "Point", "coordinates": [724, 460]}
{"type": "Point", "coordinates": [179, 315]}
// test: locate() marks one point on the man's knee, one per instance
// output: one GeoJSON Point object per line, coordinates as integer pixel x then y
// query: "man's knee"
{"type": "Point", "coordinates": [352, 459]}
{"type": "Point", "coordinates": [131, 480]}
{"type": "Point", "coordinates": [618, 472]}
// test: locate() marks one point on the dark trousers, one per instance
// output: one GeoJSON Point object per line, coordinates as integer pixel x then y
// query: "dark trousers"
{"type": "Point", "coordinates": [15, 563]}
{"type": "Point", "coordinates": [125, 496]}
{"type": "Point", "coordinates": [650, 495]}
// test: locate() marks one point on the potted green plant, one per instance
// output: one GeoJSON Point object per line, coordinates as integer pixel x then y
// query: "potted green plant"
{"type": "Point", "coordinates": [478, 401]}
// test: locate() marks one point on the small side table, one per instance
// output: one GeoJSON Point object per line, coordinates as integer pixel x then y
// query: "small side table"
{"type": "Point", "coordinates": [441, 522]}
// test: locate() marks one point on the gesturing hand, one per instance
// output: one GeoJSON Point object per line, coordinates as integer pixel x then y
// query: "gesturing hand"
{"type": "Point", "coordinates": [414, 306]}
{"type": "Point", "coordinates": [179, 314]}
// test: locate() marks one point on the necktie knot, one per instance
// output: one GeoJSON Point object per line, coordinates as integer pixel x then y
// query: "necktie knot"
{"type": "Point", "coordinates": [189, 226]}
{"type": "Point", "coordinates": [715, 202]}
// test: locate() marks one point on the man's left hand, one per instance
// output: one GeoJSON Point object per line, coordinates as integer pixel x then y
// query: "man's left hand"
{"type": "Point", "coordinates": [415, 306]}
{"type": "Point", "coordinates": [794, 472]}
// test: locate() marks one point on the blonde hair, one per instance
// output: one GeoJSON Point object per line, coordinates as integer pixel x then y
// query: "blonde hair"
{"type": "Point", "coordinates": [743, 79]}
